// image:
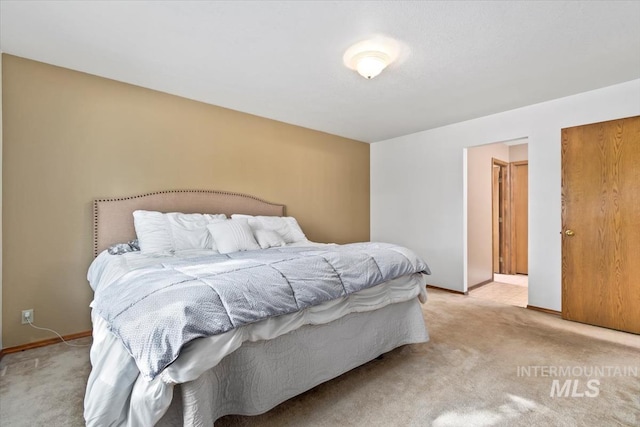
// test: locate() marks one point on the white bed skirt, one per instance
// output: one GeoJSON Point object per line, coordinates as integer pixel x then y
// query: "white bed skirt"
{"type": "Point", "coordinates": [260, 375]}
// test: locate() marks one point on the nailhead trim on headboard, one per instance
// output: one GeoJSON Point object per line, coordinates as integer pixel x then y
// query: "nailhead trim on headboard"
{"type": "Point", "coordinates": [117, 199]}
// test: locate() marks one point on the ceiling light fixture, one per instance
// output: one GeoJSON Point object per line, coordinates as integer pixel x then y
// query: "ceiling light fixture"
{"type": "Point", "coordinates": [371, 63]}
{"type": "Point", "coordinates": [370, 57]}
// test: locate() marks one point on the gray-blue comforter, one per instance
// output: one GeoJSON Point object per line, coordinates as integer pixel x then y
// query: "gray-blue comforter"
{"type": "Point", "coordinates": [156, 310]}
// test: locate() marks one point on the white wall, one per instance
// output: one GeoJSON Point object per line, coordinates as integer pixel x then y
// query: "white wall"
{"type": "Point", "coordinates": [479, 210]}
{"type": "Point", "coordinates": [0, 199]}
{"type": "Point", "coordinates": [418, 184]}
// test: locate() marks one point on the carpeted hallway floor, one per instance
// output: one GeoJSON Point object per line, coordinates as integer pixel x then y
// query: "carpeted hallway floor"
{"type": "Point", "coordinates": [487, 364]}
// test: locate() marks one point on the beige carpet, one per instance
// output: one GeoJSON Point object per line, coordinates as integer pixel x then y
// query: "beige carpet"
{"type": "Point", "coordinates": [504, 293]}
{"type": "Point", "coordinates": [466, 376]}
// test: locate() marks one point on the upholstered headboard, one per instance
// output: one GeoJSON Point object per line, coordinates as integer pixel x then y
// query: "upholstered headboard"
{"type": "Point", "coordinates": [113, 218]}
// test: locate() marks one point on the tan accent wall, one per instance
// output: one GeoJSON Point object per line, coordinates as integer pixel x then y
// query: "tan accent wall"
{"type": "Point", "coordinates": [70, 137]}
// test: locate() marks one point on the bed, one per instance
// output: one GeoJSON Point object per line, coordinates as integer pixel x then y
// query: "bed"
{"type": "Point", "coordinates": [254, 366]}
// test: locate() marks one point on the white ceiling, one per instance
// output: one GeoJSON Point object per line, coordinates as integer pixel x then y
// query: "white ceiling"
{"type": "Point", "coordinates": [283, 59]}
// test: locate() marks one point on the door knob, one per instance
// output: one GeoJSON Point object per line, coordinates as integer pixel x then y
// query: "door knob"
{"type": "Point", "coordinates": [569, 233]}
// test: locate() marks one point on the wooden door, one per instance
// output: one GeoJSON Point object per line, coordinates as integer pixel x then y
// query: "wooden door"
{"type": "Point", "coordinates": [601, 224]}
{"type": "Point", "coordinates": [500, 216]}
{"type": "Point", "coordinates": [495, 217]}
{"type": "Point", "coordinates": [520, 216]}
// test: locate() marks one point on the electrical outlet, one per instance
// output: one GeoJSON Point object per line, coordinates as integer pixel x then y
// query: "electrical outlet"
{"type": "Point", "coordinates": [27, 316]}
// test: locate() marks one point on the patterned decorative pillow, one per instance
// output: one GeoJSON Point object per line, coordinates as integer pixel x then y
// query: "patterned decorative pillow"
{"type": "Point", "coordinates": [123, 248]}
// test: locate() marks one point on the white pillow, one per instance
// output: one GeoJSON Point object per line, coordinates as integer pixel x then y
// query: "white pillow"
{"type": "Point", "coordinates": [166, 233]}
{"type": "Point", "coordinates": [233, 236]}
{"type": "Point", "coordinates": [286, 226]}
{"type": "Point", "coordinates": [268, 238]}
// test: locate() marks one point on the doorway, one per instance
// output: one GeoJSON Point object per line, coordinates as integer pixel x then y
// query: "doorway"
{"type": "Point", "coordinates": [510, 217]}
{"type": "Point", "coordinates": [497, 222]}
